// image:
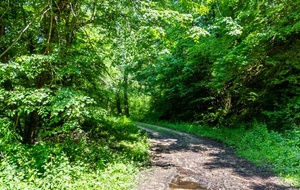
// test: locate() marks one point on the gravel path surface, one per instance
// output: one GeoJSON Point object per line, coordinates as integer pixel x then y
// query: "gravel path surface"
{"type": "Point", "coordinates": [183, 161]}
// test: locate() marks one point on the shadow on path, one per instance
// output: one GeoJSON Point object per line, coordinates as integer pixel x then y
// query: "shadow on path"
{"type": "Point", "coordinates": [210, 158]}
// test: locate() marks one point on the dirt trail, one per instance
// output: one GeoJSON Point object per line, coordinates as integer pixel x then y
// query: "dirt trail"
{"type": "Point", "coordinates": [183, 161]}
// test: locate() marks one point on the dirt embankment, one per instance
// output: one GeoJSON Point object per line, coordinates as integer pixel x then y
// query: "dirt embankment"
{"type": "Point", "coordinates": [183, 161]}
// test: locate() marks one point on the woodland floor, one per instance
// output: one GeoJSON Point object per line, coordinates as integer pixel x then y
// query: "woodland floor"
{"type": "Point", "coordinates": [183, 161]}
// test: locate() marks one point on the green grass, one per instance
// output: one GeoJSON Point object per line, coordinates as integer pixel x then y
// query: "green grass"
{"type": "Point", "coordinates": [281, 151]}
{"type": "Point", "coordinates": [108, 157]}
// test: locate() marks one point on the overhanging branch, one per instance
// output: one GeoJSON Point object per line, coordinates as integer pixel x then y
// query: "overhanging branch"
{"type": "Point", "coordinates": [21, 33]}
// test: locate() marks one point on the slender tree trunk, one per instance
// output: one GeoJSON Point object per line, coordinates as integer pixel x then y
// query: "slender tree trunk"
{"type": "Point", "coordinates": [4, 58]}
{"type": "Point", "coordinates": [126, 102]}
{"type": "Point", "coordinates": [118, 103]}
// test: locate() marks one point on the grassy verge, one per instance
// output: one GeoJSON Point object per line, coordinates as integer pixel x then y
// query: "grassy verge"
{"type": "Point", "coordinates": [258, 144]}
{"type": "Point", "coordinates": [108, 157]}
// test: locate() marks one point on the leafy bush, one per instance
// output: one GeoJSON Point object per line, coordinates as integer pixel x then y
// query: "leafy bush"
{"type": "Point", "coordinates": [139, 106]}
{"type": "Point", "coordinates": [285, 115]}
{"type": "Point", "coordinates": [106, 157]}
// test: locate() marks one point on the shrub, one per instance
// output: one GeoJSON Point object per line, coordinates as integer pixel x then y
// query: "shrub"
{"type": "Point", "coordinates": [107, 157]}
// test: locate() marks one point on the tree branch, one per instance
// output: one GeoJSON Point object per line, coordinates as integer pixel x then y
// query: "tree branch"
{"type": "Point", "coordinates": [21, 33]}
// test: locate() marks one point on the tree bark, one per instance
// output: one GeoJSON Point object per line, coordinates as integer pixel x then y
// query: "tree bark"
{"type": "Point", "coordinates": [126, 102]}
{"type": "Point", "coordinates": [118, 103]}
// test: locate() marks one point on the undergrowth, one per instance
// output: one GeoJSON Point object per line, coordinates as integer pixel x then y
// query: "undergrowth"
{"type": "Point", "coordinates": [107, 157]}
{"type": "Point", "coordinates": [256, 143]}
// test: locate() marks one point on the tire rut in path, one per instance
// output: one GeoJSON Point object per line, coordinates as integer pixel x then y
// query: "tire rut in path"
{"type": "Point", "coordinates": [184, 161]}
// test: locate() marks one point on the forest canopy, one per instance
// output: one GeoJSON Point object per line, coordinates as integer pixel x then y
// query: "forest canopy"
{"type": "Point", "coordinates": [234, 61]}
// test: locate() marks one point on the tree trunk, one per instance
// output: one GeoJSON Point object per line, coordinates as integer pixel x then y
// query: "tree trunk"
{"type": "Point", "coordinates": [126, 102]}
{"type": "Point", "coordinates": [118, 103]}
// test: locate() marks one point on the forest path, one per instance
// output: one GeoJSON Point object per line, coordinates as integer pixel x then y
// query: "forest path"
{"type": "Point", "coordinates": [184, 161]}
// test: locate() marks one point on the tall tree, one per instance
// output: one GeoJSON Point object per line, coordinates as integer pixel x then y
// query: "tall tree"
{"type": "Point", "coordinates": [53, 62]}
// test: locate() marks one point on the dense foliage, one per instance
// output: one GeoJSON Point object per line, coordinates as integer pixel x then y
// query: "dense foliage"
{"type": "Point", "coordinates": [106, 158]}
{"type": "Point", "coordinates": [238, 61]}
{"type": "Point", "coordinates": [57, 76]}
